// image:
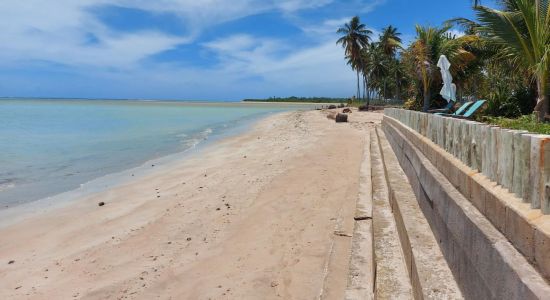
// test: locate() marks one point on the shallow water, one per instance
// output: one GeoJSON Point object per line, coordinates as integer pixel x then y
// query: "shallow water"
{"type": "Point", "coordinates": [51, 146]}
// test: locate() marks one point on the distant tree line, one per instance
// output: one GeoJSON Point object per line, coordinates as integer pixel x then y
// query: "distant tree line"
{"type": "Point", "coordinates": [300, 99]}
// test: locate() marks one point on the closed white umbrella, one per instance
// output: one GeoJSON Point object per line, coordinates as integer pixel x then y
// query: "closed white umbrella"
{"type": "Point", "coordinates": [449, 88]}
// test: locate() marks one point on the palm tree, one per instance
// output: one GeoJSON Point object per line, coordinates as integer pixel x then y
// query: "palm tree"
{"type": "Point", "coordinates": [354, 37]}
{"type": "Point", "coordinates": [522, 31]}
{"type": "Point", "coordinates": [430, 44]}
{"type": "Point", "coordinates": [378, 67]}
{"type": "Point", "coordinates": [390, 42]}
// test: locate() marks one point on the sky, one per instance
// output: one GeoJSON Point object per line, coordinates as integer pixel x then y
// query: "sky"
{"type": "Point", "coordinates": [192, 49]}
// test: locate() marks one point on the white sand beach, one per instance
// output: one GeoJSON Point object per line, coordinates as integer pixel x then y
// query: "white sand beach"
{"type": "Point", "coordinates": [250, 217]}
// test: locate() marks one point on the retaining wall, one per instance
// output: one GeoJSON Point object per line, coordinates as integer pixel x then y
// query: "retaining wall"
{"type": "Point", "coordinates": [484, 262]}
{"type": "Point", "coordinates": [514, 159]}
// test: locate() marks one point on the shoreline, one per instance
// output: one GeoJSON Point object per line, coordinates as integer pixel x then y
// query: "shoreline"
{"type": "Point", "coordinates": [176, 102]}
{"type": "Point", "coordinates": [251, 217]}
{"type": "Point", "coordinates": [25, 210]}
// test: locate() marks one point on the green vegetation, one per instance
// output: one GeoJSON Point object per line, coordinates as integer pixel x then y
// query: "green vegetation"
{"type": "Point", "coordinates": [503, 57]}
{"type": "Point", "coordinates": [301, 99]}
{"type": "Point", "coordinates": [526, 122]}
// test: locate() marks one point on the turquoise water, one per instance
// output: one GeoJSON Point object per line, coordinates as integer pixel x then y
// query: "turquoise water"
{"type": "Point", "coordinates": [51, 146]}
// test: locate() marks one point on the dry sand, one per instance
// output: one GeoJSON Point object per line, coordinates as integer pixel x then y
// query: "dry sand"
{"type": "Point", "coordinates": [251, 217]}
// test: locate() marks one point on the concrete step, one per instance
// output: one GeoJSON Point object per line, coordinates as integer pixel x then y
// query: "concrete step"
{"type": "Point", "coordinates": [392, 279]}
{"type": "Point", "coordinates": [361, 266]}
{"type": "Point", "coordinates": [395, 254]}
{"type": "Point", "coordinates": [428, 271]}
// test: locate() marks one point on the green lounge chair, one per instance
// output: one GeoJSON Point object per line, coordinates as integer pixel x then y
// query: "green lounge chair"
{"type": "Point", "coordinates": [472, 110]}
{"type": "Point", "coordinates": [459, 111]}
{"type": "Point", "coordinates": [444, 110]}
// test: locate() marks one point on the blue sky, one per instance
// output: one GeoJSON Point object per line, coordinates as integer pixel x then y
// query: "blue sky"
{"type": "Point", "coordinates": [192, 49]}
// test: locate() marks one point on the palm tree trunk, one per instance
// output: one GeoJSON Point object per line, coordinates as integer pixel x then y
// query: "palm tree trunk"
{"type": "Point", "coordinates": [358, 89]}
{"type": "Point", "coordinates": [368, 91]}
{"type": "Point", "coordinates": [397, 88]}
{"type": "Point", "coordinates": [541, 109]}
{"type": "Point", "coordinates": [426, 87]}
{"type": "Point", "coordinates": [364, 88]}
{"type": "Point", "coordinates": [427, 97]}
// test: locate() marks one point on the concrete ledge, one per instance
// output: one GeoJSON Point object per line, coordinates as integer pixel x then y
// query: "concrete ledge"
{"type": "Point", "coordinates": [429, 273]}
{"type": "Point", "coordinates": [485, 264]}
{"type": "Point", "coordinates": [361, 276]}
{"type": "Point", "coordinates": [361, 270]}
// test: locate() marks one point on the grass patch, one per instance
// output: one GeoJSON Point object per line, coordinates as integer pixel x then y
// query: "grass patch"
{"type": "Point", "coordinates": [527, 122]}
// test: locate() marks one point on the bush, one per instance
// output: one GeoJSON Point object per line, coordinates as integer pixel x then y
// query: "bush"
{"type": "Point", "coordinates": [500, 103]}
{"type": "Point", "coordinates": [526, 97]}
{"type": "Point", "coordinates": [525, 122]}
{"type": "Point", "coordinates": [412, 104]}
{"type": "Point", "coordinates": [509, 103]}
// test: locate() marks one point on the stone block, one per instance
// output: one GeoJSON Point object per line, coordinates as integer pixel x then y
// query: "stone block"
{"type": "Point", "coordinates": [506, 158]}
{"type": "Point", "coordinates": [475, 146]}
{"type": "Point", "coordinates": [477, 194]}
{"type": "Point", "coordinates": [485, 135]}
{"type": "Point", "coordinates": [448, 134]}
{"type": "Point", "coordinates": [520, 232]}
{"type": "Point", "coordinates": [542, 245]}
{"type": "Point", "coordinates": [465, 155]}
{"type": "Point", "coordinates": [495, 210]}
{"type": "Point", "coordinates": [429, 126]}
{"type": "Point", "coordinates": [440, 129]}
{"type": "Point", "coordinates": [456, 137]}
{"type": "Point", "coordinates": [519, 161]}
{"type": "Point", "coordinates": [465, 181]}
{"type": "Point", "coordinates": [452, 173]}
{"type": "Point", "coordinates": [545, 180]}
{"type": "Point", "coordinates": [526, 168]}
{"type": "Point", "coordinates": [451, 136]}
{"type": "Point", "coordinates": [535, 169]}
{"type": "Point", "coordinates": [494, 153]}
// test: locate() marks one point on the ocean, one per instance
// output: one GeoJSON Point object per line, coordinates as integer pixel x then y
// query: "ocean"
{"type": "Point", "coordinates": [48, 147]}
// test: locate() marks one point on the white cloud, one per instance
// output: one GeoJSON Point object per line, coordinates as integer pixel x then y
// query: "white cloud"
{"type": "Point", "coordinates": [56, 31]}
{"type": "Point", "coordinates": [232, 43]}
{"type": "Point", "coordinates": [59, 32]}
{"type": "Point", "coordinates": [294, 5]}
{"type": "Point", "coordinates": [320, 66]}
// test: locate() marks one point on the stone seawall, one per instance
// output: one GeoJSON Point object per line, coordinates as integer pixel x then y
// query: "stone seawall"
{"type": "Point", "coordinates": [514, 159]}
{"type": "Point", "coordinates": [483, 257]}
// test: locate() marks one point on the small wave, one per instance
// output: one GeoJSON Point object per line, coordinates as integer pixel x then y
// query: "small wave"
{"type": "Point", "coordinates": [195, 139]}
{"type": "Point", "coordinates": [6, 184]}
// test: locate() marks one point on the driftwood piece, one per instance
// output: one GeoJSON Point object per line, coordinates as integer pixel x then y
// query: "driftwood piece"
{"type": "Point", "coordinates": [341, 118]}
